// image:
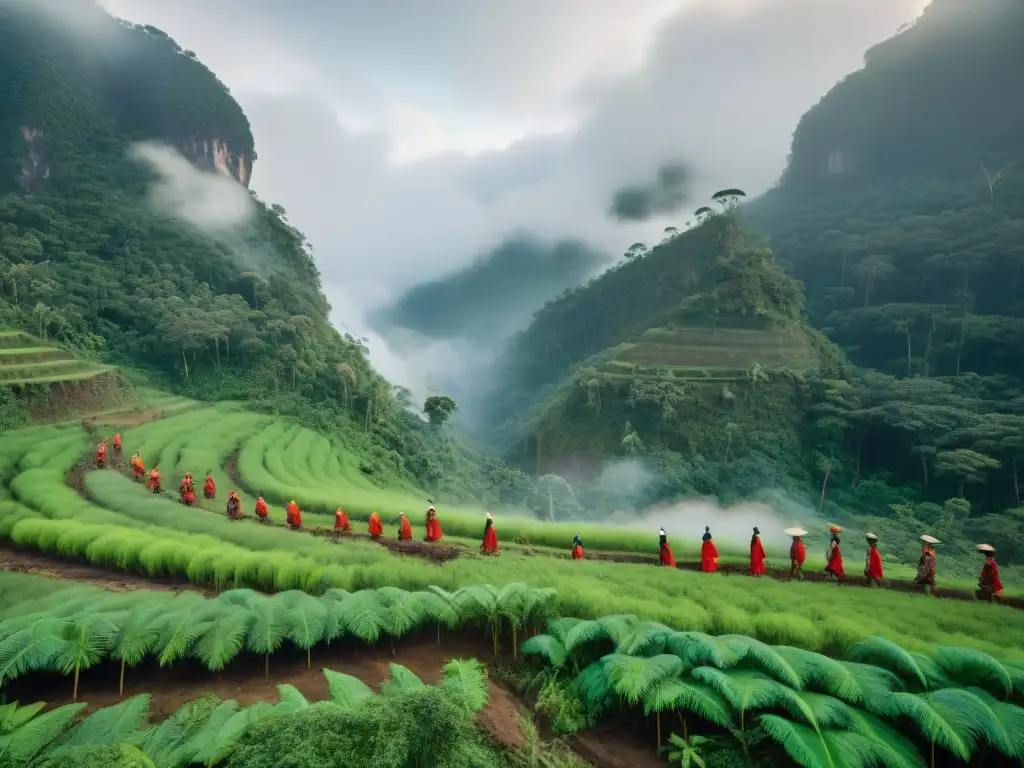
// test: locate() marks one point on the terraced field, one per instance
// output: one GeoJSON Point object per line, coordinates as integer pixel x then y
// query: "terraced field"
{"type": "Point", "coordinates": [25, 360]}
{"type": "Point", "coordinates": [877, 672]}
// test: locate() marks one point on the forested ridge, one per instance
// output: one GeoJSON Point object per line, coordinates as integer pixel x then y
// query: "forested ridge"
{"type": "Point", "coordinates": [901, 212]}
{"type": "Point", "coordinates": [86, 262]}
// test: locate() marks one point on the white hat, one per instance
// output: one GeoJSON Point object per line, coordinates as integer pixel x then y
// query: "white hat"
{"type": "Point", "coordinates": [431, 508]}
{"type": "Point", "coordinates": [489, 516]}
{"type": "Point", "coordinates": [661, 531]}
{"type": "Point", "coordinates": [986, 548]}
{"type": "Point", "coordinates": [929, 539]}
{"type": "Point", "coordinates": [870, 537]}
{"type": "Point", "coordinates": [795, 532]}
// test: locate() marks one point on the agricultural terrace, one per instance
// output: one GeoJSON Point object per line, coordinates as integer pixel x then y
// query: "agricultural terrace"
{"type": "Point", "coordinates": [826, 671]}
{"type": "Point", "coordinates": [26, 360]}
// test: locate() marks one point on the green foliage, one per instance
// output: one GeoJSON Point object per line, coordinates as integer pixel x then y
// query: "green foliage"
{"type": "Point", "coordinates": [439, 408]}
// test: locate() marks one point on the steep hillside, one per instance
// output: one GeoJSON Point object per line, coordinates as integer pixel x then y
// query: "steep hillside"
{"type": "Point", "coordinates": [86, 260]}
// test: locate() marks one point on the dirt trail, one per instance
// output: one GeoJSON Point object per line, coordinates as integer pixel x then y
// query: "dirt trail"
{"type": "Point", "coordinates": [17, 560]}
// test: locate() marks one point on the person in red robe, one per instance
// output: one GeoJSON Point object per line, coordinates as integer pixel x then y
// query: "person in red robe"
{"type": "Point", "coordinates": [117, 443]}
{"type": "Point", "coordinates": [708, 552]}
{"type": "Point", "coordinates": [261, 509]}
{"type": "Point", "coordinates": [376, 527]}
{"type": "Point", "coordinates": [989, 586]}
{"type": "Point", "coordinates": [101, 454]}
{"type": "Point", "coordinates": [187, 490]}
{"type": "Point", "coordinates": [797, 553]}
{"type": "Point", "coordinates": [757, 554]}
{"type": "Point", "coordinates": [341, 522]}
{"type": "Point", "coordinates": [234, 508]}
{"type": "Point", "coordinates": [577, 547]}
{"type": "Point", "coordinates": [294, 516]}
{"type": "Point", "coordinates": [873, 562]}
{"type": "Point", "coordinates": [209, 487]}
{"type": "Point", "coordinates": [489, 545]}
{"type": "Point", "coordinates": [404, 527]}
{"type": "Point", "coordinates": [665, 556]}
{"type": "Point", "coordinates": [433, 525]}
{"type": "Point", "coordinates": [154, 480]}
{"type": "Point", "coordinates": [834, 564]}
{"type": "Point", "coordinates": [138, 468]}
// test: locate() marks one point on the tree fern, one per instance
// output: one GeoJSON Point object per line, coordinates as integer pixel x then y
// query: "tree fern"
{"type": "Point", "coordinates": [403, 615]}
{"type": "Point", "coordinates": [594, 688]}
{"type": "Point", "coordinates": [546, 646]}
{"type": "Point", "coordinates": [30, 649]}
{"type": "Point", "coordinates": [214, 740]}
{"type": "Point", "coordinates": [633, 676]}
{"type": "Point", "coordinates": [899, 752]}
{"type": "Point", "coordinates": [83, 644]}
{"type": "Point", "coordinates": [618, 626]}
{"type": "Point", "coordinates": [885, 653]}
{"type": "Point", "coordinates": [764, 657]}
{"type": "Point", "coordinates": [559, 628]}
{"type": "Point", "coordinates": [647, 638]}
{"type": "Point", "coordinates": [134, 639]}
{"type": "Point", "coordinates": [697, 649]}
{"type": "Point", "coordinates": [811, 748]}
{"type": "Point", "coordinates": [29, 740]}
{"type": "Point", "coordinates": [167, 744]}
{"type": "Point", "coordinates": [345, 690]}
{"type": "Point", "coordinates": [852, 682]}
{"type": "Point", "coordinates": [176, 633]}
{"type": "Point", "coordinates": [223, 640]}
{"type": "Point", "coordinates": [970, 667]}
{"type": "Point", "coordinates": [108, 726]}
{"type": "Point", "coordinates": [267, 631]}
{"type": "Point", "coordinates": [953, 719]}
{"type": "Point", "coordinates": [1009, 724]}
{"type": "Point", "coordinates": [673, 693]}
{"type": "Point", "coordinates": [363, 616]}
{"type": "Point", "coordinates": [401, 680]}
{"type": "Point", "coordinates": [465, 682]}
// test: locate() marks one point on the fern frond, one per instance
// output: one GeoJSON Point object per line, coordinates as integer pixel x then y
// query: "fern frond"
{"type": "Point", "coordinates": [751, 690]}
{"type": "Point", "coordinates": [899, 752]}
{"type": "Point", "coordinates": [223, 640]}
{"type": "Point", "coordinates": [202, 745]}
{"type": "Point", "coordinates": [108, 726]}
{"type": "Point", "coordinates": [811, 748]}
{"type": "Point", "coordinates": [1009, 724]}
{"type": "Point", "coordinates": [952, 718]}
{"type": "Point", "coordinates": [970, 667]}
{"type": "Point", "coordinates": [465, 682]}
{"type": "Point", "coordinates": [402, 680]}
{"type": "Point", "coordinates": [290, 699]}
{"type": "Point", "coordinates": [13, 716]}
{"type": "Point", "coordinates": [30, 649]}
{"type": "Point", "coordinates": [697, 649]}
{"type": "Point", "coordinates": [647, 638]}
{"type": "Point", "coordinates": [545, 646]}
{"type": "Point", "coordinates": [852, 682]}
{"type": "Point", "coordinates": [885, 653]}
{"type": "Point", "coordinates": [633, 676]}
{"type": "Point", "coordinates": [676, 693]}
{"type": "Point", "coordinates": [764, 657]}
{"type": "Point", "coordinates": [345, 690]}
{"type": "Point", "coordinates": [22, 746]}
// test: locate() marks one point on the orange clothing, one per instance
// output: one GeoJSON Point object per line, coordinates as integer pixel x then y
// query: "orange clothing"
{"type": "Point", "coordinates": [835, 560]}
{"type": "Point", "coordinates": [341, 522]}
{"type": "Point", "coordinates": [874, 569]}
{"type": "Point", "coordinates": [117, 442]}
{"type": "Point", "coordinates": [294, 515]}
{"type": "Point", "coordinates": [261, 508]}
{"type": "Point", "coordinates": [138, 468]}
{"type": "Point", "coordinates": [757, 557]}
{"type": "Point", "coordinates": [154, 480]}
{"type": "Point", "coordinates": [433, 526]}
{"type": "Point", "coordinates": [577, 552]}
{"type": "Point", "coordinates": [209, 487]}
{"type": "Point", "coordinates": [404, 529]}
{"type": "Point", "coordinates": [376, 528]}
{"type": "Point", "coordinates": [797, 553]}
{"type": "Point", "coordinates": [489, 546]}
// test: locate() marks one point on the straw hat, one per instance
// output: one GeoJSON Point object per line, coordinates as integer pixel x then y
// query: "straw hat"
{"type": "Point", "coordinates": [986, 548]}
{"type": "Point", "coordinates": [836, 528]}
{"type": "Point", "coordinates": [795, 532]}
{"type": "Point", "coordinates": [870, 537]}
{"type": "Point", "coordinates": [929, 539]}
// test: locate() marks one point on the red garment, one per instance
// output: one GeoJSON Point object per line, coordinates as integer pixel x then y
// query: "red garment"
{"type": "Point", "coordinates": [376, 528]}
{"type": "Point", "coordinates": [188, 491]}
{"type": "Point", "coordinates": [797, 553]}
{"type": "Point", "coordinates": [294, 515]}
{"type": "Point", "coordinates": [757, 557]}
{"type": "Point", "coordinates": [404, 529]}
{"type": "Point", "coordinates": [835, 561]}
{"type": "Point", "coordinates": [101, 454]}
{"type": "Point", "coordinates": [997, 585]}
{"type": "Point", "coordinates": [577, 552]}
{"type": "Point", "coordinates": [874, 563]}
{"type": "Point", "coordinates": [234, 508]}
{"type": "Point", "coordinates": [341, 522]}
{"type": "Point", "coordinates": [433, 527]}
{"type": "Point", "coordinates": [261, 507]}
{"type": "Point", "coordinates": [709, 557]}
{"type": "Point", "coordinates": [154, 481]}
{"type": "Point", "coordinates": [490, 542]}
{"type": "Point", "coordinates": [209, 487]}
{"type": "Point", "coordinates": [138, 468]}
{"type": "Point", "coordinates": [117, 442]}
{"type": "Point", "coordinates": [665, 556]}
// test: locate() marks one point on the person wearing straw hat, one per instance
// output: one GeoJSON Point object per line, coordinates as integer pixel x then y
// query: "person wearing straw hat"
{"type": "Point", "coordinates": [989, 585]}
{"type": "Point", "coordinates": [797, 553]}
{"type": "Point", "coordinates": [873, 562]}
{"type": "Point", "coordinates": [834, 560]}
{"type": "Point", "coordinates": [926, 566]}
{"type": "Point", "coordinates": [708, 552]}
{"type": "Point", "coordinates": [757, 554]}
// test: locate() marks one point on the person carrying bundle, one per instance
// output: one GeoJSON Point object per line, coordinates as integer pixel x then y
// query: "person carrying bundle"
{"type": "Point", "coordinates": [404, 527]}
{"type": "Point", "coordinates": [708, 552]}
{"type": "Point", "coordinates": [138, 468]}
{"type": "Point", "coordinates": [665, 556]}
{"type": "Point", "coordinates": [989, 585]}
{"type": "Point", "coordinates": [433, 525]}
{"type": "Point", "coordinates": [101, 454]}
{"type": "Point", "coordinates": [261, 510]}
{"type": "Point", "coordinates": [376, 526]}
{"type": "Point", "coordinates": [873, 562]}
{"type": "Point", "coordinates": [926, 565]}
{"type": "Point", "coordinates": [757, 554]}
{"type": "Point", "coordinates": [577, 547]}
{"type": "Point", "coordinates": [341, 523]}
{"type": "Point", "coordinates": [234, 506]}
{"type": "Point", "coordinates": [187, 490]}
{"type": "Point", "coordinates": [294, 516]}
{"type": "Point", "coordinates": [209, 487]}
{"type": "Point", "coordinates": [489, 545]}
{"type": "Point", "coordinates": [834, 556]}
{"type": "Point", "coordinates": [797, 553]}
{"type": "Point", "coordinates": [154, 481]}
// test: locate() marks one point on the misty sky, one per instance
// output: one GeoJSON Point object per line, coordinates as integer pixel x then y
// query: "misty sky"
{"type": "Point", "coordinates": [405, 137]}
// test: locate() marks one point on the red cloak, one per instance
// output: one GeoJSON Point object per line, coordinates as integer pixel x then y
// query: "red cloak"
{"type": "Point", "coordinates": [874, 570]}
{"type": "Point", "coordinates": [757, 557]}
{"type": "Point", "coordinates": [709, 557]}
{"type": "Point", "coordinates": [261, 507]}
{"type": "Point", "coordinates": [154, 480]}
{"type": "Point", "coordinates": [341, 522]}
{"type": "Point", "coordinates": [117, 442]}
{"type": "Point", "coordinates": [490, 542]}
{"type": "Point", "coordinates": [997, 585]}
{"type": "Point", "coordinates": [433, 528]}
{"type": "Point", "coordinates": [376, 528]}
{"type": "Point", "coordinates": [835, 561]}
{"type": "Point", "coordinates": [209, 488]}
{"type": "Point", "coordinates": [797, 554]}
{"type": "Point", "coordinates": [404, 529]}
{"type": "Point", "coordinates": [294, 515]}
{"type": "Point", "coordinates": [665, 556]}
{"type": "Point", "coordinates": [577, 552]}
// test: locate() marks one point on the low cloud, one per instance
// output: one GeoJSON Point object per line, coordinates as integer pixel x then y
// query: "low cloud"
{"type": "Point", "coordinates": [209, 202]}
{"type": "Point", "coordinates": [666, 195]}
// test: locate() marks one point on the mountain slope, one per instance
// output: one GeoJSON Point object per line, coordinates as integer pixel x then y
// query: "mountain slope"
{"type": "Point", "coordinates": [86, 259]}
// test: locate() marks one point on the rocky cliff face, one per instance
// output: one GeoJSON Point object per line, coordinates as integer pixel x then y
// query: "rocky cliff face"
{"type": "Point", "coordinates": [214, 154]}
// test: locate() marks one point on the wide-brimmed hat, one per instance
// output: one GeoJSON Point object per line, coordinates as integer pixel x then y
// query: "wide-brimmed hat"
{"type": "Point", "coordinates": [929, 539]}
{"type": "Point", "coordinates": [795, 532]}
{"type": "Point", "coordinates": [870, 537]}
{"type": "Point", "coordinates": [986, 548]}
{"type": "Point", "coordinates": [835, 528]}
